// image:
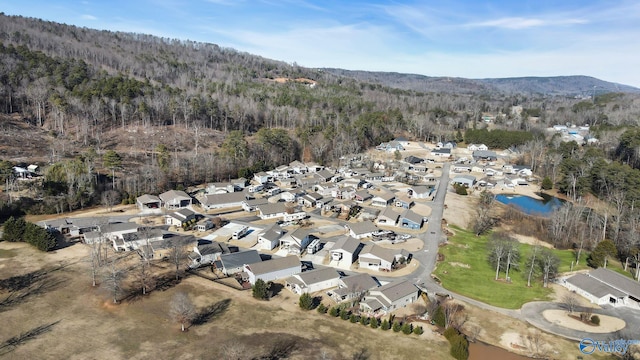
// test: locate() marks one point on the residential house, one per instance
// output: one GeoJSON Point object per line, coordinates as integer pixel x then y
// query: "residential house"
{"type": "Point", "coordinates": [163, 249]}
{"type": "Point", "coordinates": [403, 201]}
{"type": "Point", "coordinates": [389, 297]}
{"type": "Point", "coordinates": [361, 230]}
{"type": "Point", "coordinates": [298, 167]}
{"type": "Point", "coordinates": [346, 250]}
{"type": "Point", "coordinates": [414, 160]}
{"type": "Point", "coordinates": [464, 180]}
{"type": "Point", "coordinates": [291, 196]}
{"type": "Point", "coordinates": [134, 240]}
{"type": "Point", "coordinates": [287, 183]}
{"type": "Point", "coordinates": [220, 188]}
{"type": "Point", "coordinates": [484, 155]}
{"type": "Point", "coordinates": [361, 196]}
{"type": "Point", "coordinates": [420, 192]}
{"type": "Point", "coordinates": [383, 199]}
{"type": "Point", "coordinates": [310, 199]}
{"type": "Point", "coordinates": [388, 217]}
{"type": "Point", "coordinates": [325, 175]}
{"type": "Point", "coordinates": [175, 199]}
{"type": "Point", "coordinates": [262, 177]}
{"type": "Point", "coordinates": [180, 217]}
{"type": "Point", "coordinates": [376, 257]}
{"type": "Point", "coordinates": [148, 202]}
{"type": "Point", "coordinates": [251, 205]}
{"type": "Point", "coordinates": [223, 200]}
{"type": "Point", "coordinates": [411, 220]}
{"type": "Point", "coordinates": [312, 281]}
{"type": "Point", "coordinates": [450, 145]}
{"type": "Point", "coordinates": [297, 240]}
{"type": "Point", "coordinates": [606, 287]}
{"type": "Point", "coordinates": [233, 263]}
{"type": "Point", "coordinates": [74, 226]}
{"type": "Point", "coordinates": [204, 224]}
{"type": "Point", "coordinates": [326, 189]}
{"type": "Point", "coordinates": [442, 152]}
{"type": "Point", "coordinates": [112, 232]}
{"type": "Point", "coordinates": [274, 269]}
{"type": "Point", "coordinates": [353, 287]}
{"type": "Point", "coordinates": [402, 141]}
{"type": "Point", "coordinates": [280, 211]}
{"type": "Point", "coordinates": [475, 147]}
{"type": "Point", "coordinates": [458, 168]}
{"type": "Point", "coordinates": [269, 239]}
{"type": "Point", "coordinates": [207, 254]}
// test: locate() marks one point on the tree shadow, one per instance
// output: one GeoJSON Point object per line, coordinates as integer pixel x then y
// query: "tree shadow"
{"type": "Point", "coordinates": [26, 286]}
{"type": "Point", "coordinates": [281, 349]}
{"type": "Point", "coordinates": [211, 312]}
{"type": "Point", "coordinates": [10, 344]}
{"type": "Point", "coordinates": [166, 282]}
{"type": "Point", "coordinates": [275, 289]}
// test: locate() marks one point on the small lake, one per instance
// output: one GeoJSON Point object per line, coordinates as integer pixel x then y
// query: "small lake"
{"type": "Point", "coordinates": [531, 206]}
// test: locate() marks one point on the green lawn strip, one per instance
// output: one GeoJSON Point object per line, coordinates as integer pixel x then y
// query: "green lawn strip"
{"type": "Point", "coordinates": [477, 281]}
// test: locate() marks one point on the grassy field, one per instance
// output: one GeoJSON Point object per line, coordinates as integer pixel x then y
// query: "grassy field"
{"type": "Point", "coordinates": [465, 270]}
{"type": "Point", "coordinates": [60, 316]}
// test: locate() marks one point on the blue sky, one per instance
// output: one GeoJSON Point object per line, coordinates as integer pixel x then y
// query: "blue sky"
{"type": "Point", "coordinates": [473, 39]}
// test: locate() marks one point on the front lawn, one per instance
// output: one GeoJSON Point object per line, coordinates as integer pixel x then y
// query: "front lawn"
{"type": "Point", "coordinates": [465, 270]}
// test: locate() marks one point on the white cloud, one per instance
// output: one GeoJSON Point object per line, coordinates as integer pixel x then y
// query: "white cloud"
{"type": "Point", "coordinates": [516, 23]}
{"type": "Point", "coordinates": [88, 17]}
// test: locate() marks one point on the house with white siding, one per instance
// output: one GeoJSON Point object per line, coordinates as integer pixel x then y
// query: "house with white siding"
{"type": "Point", "coordinates": [274, 269]}
{"type": "Point", "coordinates": [223, 200]}
{"type": "Point", "coordinates": [175, 199]}
{"type": "Point", "coordinates": [389, 297]}
{"type": "Point", "coordinates": [605, 287]}
{"type": "Point", "coordinates": [233, 263]}
{"type": "Point", "coordinates": [179, 217]}
{"type": "Point", "coordinates": [360, 230]}
{"type": "Point", "coordinates": [269, 239]}
{"type": "Point", "coordinates": [353, 287]}
{"type": "Point", "coordinates": [312, 281]}
{"type": "Point", "coordinates": [345, 250]}
{"type": "Point", "coordinates": [375, 257]}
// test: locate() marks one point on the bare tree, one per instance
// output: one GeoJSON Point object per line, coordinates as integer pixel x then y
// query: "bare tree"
{"type": "Point", "coordinates": [94, 260]}
{"type": "Point", "coordinates": [571, 301]}
{"type": "Point", "coordinates": [484, 218]}
{"type": "Point", "coordinates": [113, 277]}
{"type": "Point", "coordinates": [549, 263]}
{"type": "Point", "coordinates": [145, 276]}
{"type": "Point", "coordinates": [182, 309]}
{"type": "Point", "coordinates": [497, 248]}
{"type": "Point", "coordinates": [110, 198]}
{"type": "Point", "coordinates": [234, 350]}
{"type": "Point", "coordinates": [177, 255]}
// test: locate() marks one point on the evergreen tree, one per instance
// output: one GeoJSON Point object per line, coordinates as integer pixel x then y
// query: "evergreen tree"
{"type": "Point", "coordinates": [407, 328]}
{"type": "Point", "coordinates": [260, 290]}
{"type": "Point", "coordinates": [334, 311]}
{"type": "Point", "coordinates": [306, 301]}
{"type": "Point", "coordinates": [374, 323]}
{"type": "Point", "coordinates": [385, 325]}
{"type": "Point", "coordinates": [547, 184]}
{"type": "Point", "coordinates": [396, 326]}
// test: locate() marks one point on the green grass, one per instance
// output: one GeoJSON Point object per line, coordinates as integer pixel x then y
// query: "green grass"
{"type": "Point", "coordinates": [477, 281]}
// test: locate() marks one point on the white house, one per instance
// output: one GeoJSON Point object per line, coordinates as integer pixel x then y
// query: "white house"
{"type": "Point", "coordinates": [251, 205]}
{"type": "Point", "coordinates": [233, 263]}
{"type": "Point", "coordinates": [362, 229]}
{"type": "Point", "coordinates": [353, 287]}
{"type": "Point", "coordinates": [297, 240]}
{"type": "Point", "coordinates": [179, 217]}
{"type": "Point", "coordinates": [313, 281]}
{"type": "Point", "coordinates": [388, 217]}
{"type": "Point", "coordinates": [383, 199]}
{"type": "Point", "coordinates": [345, 250]}
{"type": "Point", "coordinates": [376, 257]}
{"type": "Point", "coordinates": [148, 202]}
{"type": "Point", "coordinates": [274, 269]}
{"type": "Point", "coordinates": [270, 238]}
{"type": "Point", "coordinates": [206, 254]}
{"type": "Point", "coordinates": [475, 147]}
{"type": "Point", "coordinates": [389, 297]}
{"type": "Point", "coordinates": [464, 180]}
{"type": "Point", "coordinates": [223, 200]}
{"type": "Point", "coordinates": [603, 286]}
{"type": "Point", "coordinates": [420, 192]}
{"type": "Point", "coordinates": [175, 199]}
{"type": "Point", "coordinates": [445, 153]}
{"type": "Point", "coordinates": [272, 211]}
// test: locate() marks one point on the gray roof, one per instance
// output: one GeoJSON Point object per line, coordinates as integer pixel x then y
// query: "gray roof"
{"type": "Point", "coordinates": [143, 235]}
{"type": "Point", "coordinates": [125, 226]}
{"type": "Point", "coordinates": [396, 290]}
{"type": "Point", "coordinates": [617, 281]}
{"type": "Point", "coordinates": [275, 264]}
{"type": "Point", "coordinates": [270, 209]}
{"type": "Point", "coordinates": [421, 189]}
{"type": "Point", "coordinates": [239, 259]}
{"type": "Point", "coordinates": [225, 198]}
{"type": "Point", "coordinates": [146, 198]}
{"type": "Point", "coordinates": [359, 282]}
{"type": "Point", "coordinates": [363, 227]}
{"type": "Point", "coordinates": [274, 232]}
{"type": "Point", "coordinates": [464, 178]}
{"type": "Point", "coordinates": [347, 244]}
{"type": "Point", "coordinates": [378, 252]}
{"type": "Point", "coordinates": [181, 214]}
{"type": "Point", "coordinates": [325, 174]}
{"type": "Point", "coordinates": [213, 248]}
{"type": "Point", "coordinates": [593, 286]}
{"type": "Point", "coordinates": [441, 151]}
{"type": "Point", "coordinates": [318, 275]}
{"type": "Point", "coordinates": [390, 213]}
{"type": "Point", "coordinates": [173, 195]}
{"type": "Point", "coordinates": [256, 202]}
{"type": "Point", "coordinates": [484, 154]}
{"type": "Point", "coordinates": [387, 196]}
{"type": "Point", "coordinates": [413, 216]}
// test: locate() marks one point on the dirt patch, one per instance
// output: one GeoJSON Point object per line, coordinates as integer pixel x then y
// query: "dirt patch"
{"type": "Point", "coordinates": [466, 266]}
{"type": "Point", "coordinates": [608, 324]}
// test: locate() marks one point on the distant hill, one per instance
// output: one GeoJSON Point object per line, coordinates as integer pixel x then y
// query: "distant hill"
{"type": "Point", "coordinates": [555, 85]}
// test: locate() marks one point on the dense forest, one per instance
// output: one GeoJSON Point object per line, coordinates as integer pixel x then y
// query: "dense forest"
{"type": "Point", "coordinates": [121, 114]}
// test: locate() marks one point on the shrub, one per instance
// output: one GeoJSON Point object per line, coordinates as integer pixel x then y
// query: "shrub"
{"type": "Point", "coordinates": [364, 320]}
{"type": "Point", "coordinates": [407, 328]}
{"type": "Point", "coordinates": [396, 327]}
{"type": "Point", "coordinates": [385, 325]}
{"type": "Point", "coordinates": [438, 317]}
{"type": "Point", "coordinates": [345, 314]}
{"type": "Point", "coordinates": [418, 330]}
{"type": "Point", "coordinates": [305, 301]}
{"type": "Point", "coordinates": [374, 323]}
{"type": "Point", "coordinates": [321, 309]}
{"type": "Point", "coordinates": [334, 311]}
{"type": "Point", "coordinates": [460, 189]}
{"type": "Point", "coordinates": [450, 333]}
{"type": "Point", "coordinates": [547, 184]}
{"type": "Point", "coordinates": [459, 347]}
{"type": "Point", "coordinates": [353, 318]}
{"type": "Point", "coordinates": [260, 290]}
{"type": "Point", "coordinates": [595, 320]}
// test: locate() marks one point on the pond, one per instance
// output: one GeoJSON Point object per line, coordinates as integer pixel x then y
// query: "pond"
{"type": "Point", "coordinates": [481, 351]}
{"type": "Point", "coordinates": [531, 206]}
